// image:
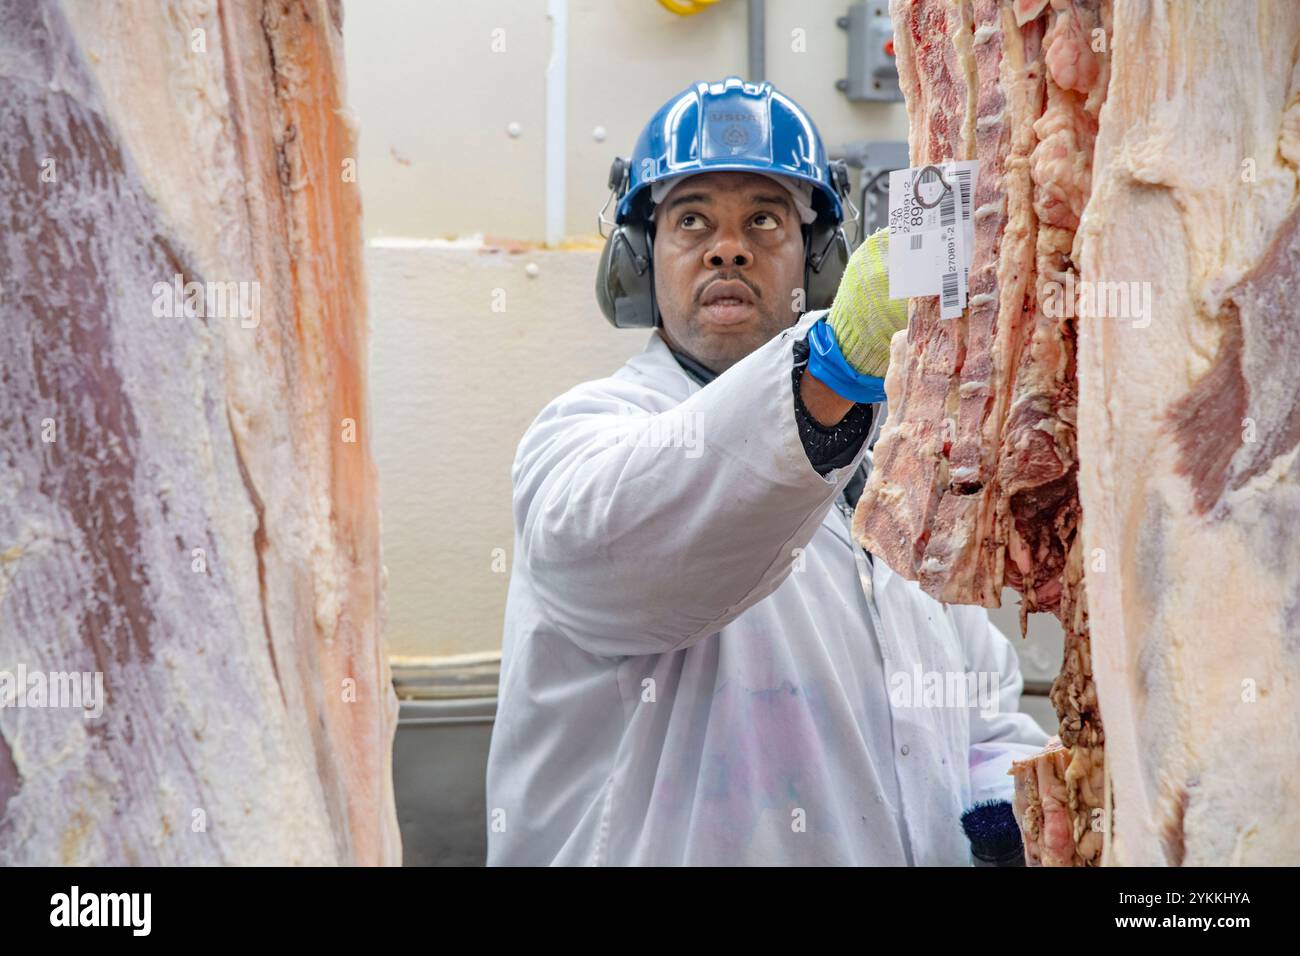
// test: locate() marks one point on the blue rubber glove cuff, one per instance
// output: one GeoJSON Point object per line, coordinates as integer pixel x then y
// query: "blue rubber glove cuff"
{"type": "Point", "coordinates": [829, 366]}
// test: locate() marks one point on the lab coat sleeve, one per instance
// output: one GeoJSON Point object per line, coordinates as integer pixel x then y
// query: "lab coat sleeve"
{"type": "Point", "coordinates": [999, 732]}
{"type": "Point", "coordinates": [646, 532]}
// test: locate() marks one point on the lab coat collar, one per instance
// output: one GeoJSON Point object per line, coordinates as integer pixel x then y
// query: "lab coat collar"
{"type": "Point", "coordinates": [659, 364]}
{"type": "Point", "coordinates": [702, 374]}
{"type": "Point", "coordinates": [661, 371]}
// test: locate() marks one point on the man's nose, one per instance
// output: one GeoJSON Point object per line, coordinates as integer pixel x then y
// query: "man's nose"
{"type": "Point", "coordinates": [728, 251]}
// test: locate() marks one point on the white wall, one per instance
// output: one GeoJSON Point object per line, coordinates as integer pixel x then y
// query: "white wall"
{"type": "Point", "coordinates": [434, 100]}
{"type": "Point", "coordinates": [454, 385]}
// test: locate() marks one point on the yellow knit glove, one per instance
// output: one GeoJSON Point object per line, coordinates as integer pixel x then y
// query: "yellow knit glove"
{"type": "Point", "coordinates": [863, 316]}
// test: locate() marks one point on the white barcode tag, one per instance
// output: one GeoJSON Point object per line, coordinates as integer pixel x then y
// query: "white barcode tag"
{"type": "Point", "coordinates": [932, 233]}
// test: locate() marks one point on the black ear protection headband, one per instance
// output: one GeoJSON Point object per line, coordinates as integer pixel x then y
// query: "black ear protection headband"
{"type": "Point", "coordinates": [625, 285]}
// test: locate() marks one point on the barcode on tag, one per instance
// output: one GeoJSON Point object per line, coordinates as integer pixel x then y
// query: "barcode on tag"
{"type": "Point", "coordinates": [963, 180]}
{"type": "Point", "coordinates": [947, 210]}
{"type": "Point", "coordinates": [916, 240]}
{"type": "Point", "coordinates": [949, 300]}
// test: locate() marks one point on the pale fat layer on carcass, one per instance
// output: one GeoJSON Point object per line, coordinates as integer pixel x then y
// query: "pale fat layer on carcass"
{"type": "Point", "coordinates": [1190, 472]}
{"type": "Point", "coordinates": [250, 714]}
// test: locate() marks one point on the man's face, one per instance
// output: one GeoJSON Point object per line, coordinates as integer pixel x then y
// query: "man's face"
{"type": "Point", "coordinates": [728, 255]}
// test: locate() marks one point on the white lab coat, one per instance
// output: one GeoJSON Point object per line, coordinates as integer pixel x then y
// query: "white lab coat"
{"type": "Point", "coordinates": [694, 671]}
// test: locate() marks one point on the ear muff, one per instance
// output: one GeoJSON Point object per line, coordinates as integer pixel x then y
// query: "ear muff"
{"type": "Point", "coordinates": [826, 254]}
{"type": "Point", "coordinates": [625, 285]}
{"type": "Point", "coordinates": [625, 280]}
{"type": "Point", "coordinates": [827, 251]}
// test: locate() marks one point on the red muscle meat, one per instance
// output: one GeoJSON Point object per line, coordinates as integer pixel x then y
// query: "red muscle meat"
{"type": "Point", "coordinates": [974, 484]}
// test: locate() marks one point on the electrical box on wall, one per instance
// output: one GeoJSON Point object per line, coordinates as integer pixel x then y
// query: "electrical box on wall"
{"type": "Point", "coordinates": [873, 75]}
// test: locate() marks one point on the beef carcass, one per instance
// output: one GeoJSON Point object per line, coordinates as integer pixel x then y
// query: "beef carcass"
{"type": "Point", "coordinates": [1189, 432]}
{"type": "Point", "coordinates": [1113, 141]}
{"type": "Point", "coordinates": [188, 505]}
{"type": "Point", "coordinates": [974, 481]}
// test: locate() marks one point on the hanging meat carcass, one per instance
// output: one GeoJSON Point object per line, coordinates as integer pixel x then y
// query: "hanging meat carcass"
{"type": "Point", "coordinates": [1189, 432]}
{"type": "Point", "coordinates": [992, 471]}
{"type": "Point", "coordinates": [188, 506]}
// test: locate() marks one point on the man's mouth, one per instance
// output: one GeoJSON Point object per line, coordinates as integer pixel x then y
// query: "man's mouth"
{"type": "Point", "coordinates": [728, 302]}
{"type": "Point", "coordinates": [728, 312]}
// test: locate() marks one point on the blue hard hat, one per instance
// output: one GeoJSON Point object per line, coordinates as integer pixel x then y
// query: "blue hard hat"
{"type": "Point", "coordinates": [732, 125]}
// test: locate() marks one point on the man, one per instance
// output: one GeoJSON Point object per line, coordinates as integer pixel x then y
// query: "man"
{"type": "Point", "coordinates": [699, 666]}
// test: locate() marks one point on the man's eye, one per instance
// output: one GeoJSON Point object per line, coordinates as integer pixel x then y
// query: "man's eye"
{"type": "Point", "coordinates": [692, 222]}
{"type": "Point", "coordinates": [765, 221]}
